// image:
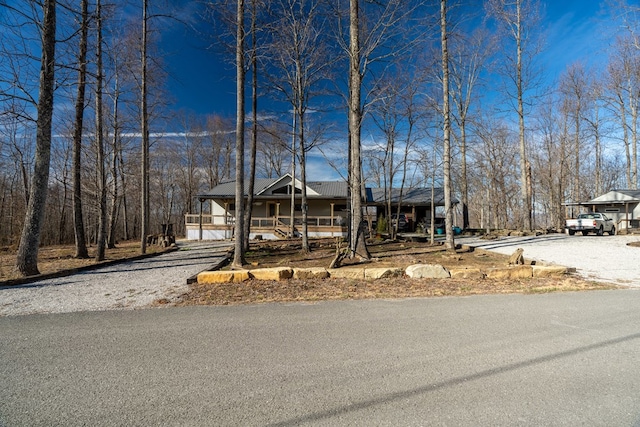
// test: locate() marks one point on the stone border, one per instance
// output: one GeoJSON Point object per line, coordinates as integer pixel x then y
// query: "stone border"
{"type": "Point", "coordinates": [417, 271]}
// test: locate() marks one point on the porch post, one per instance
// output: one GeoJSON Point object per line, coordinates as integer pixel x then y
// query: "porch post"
{"type": "Point", "coordinates": [626, 214]}
{"type": "Point", "coordinates": [413, 218]}
{"type": "Point", "coordinates": [226, 213]}
{"type": "Point", "coordinates": [200, 219]}
{"type": "Point", "coordinates": [332, 205]}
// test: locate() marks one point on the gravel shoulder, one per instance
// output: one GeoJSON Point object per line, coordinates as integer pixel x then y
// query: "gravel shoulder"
{"type": "Point", "coordinates": [602, 258]}
{"type": "Point", "coordinates": [127, 285]}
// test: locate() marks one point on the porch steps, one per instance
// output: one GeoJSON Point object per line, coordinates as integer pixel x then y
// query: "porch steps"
{"type": "Point", "coordinates": [280, 233]}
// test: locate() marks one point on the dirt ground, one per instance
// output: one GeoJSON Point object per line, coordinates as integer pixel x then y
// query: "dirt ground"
{"type": "Point", "coordinates": [288, 253]}
{"type": "Point", "coordinates": [52, 259]}
{"type": "Point", "coordinates": [384, 254]}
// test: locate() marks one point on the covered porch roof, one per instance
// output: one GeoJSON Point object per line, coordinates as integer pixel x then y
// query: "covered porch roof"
{"type": "Point", "coordinates": [613, 197]}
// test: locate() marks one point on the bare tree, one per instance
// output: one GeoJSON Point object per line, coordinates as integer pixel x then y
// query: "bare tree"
{"type": "Point", "coordinates": [519, 18]}
{"type": "Point", "coordinates": [373, 35]}
{"type": "Point", "coordinates": [273, 150]}
{"type": "Point", "coordinates": [78, 221]}
{"type": "Point", "coordinates": [100, 160]}
{"type": "Point", "coordinates": [238, 255]}
{"type": "Point", "coordinates": [468, 59]}
{"type": "Point", "coordinates": [623, 81]}
{"type": "Point", "coordinates": [395, 112]}
{"type": "Point", "coordinates": [217, 151]}
{"type": "Point", "coordinates": [144, 130]}
{"type": "Point", "coordinates": [27, 256]}
{"type": "Point", "coordinates": [446, 115]}
{"type": "Point", "coordinates": [357, 243]}
{"type": "Point", "coordinates": [300, 55]}
{"type": "Point", "coordinates": [550, 160]}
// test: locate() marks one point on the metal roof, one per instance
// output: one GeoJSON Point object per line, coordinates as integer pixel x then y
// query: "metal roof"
{"type": "Point", "coordinates": [410, 196]}
{"type": "Point", "coordinates": [619, 196]}
{"type": "Point", "coordinates": [611, 197]}
{"type": "Point", "coordinates": [328, 190]}
{"type": "Point", "coordinates": [228, 189]}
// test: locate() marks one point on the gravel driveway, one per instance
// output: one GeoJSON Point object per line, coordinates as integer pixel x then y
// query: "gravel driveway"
{"type": "Point", "coordinates": [137, 284]}
{"type": "Point", "coordinates": [127, 285]}
{"type": "Point", "coordinates": [602, 258]}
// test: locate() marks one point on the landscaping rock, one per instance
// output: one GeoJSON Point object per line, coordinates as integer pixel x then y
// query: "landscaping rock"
{"type": "Point", "coordinates": [234, 276]}
{"type": "Point", "coordinates": [310, 273]}
{"type": "Point", "coordinates": [427, 271]}
{"type": "Point", "coordinates": [517, 272]}
{"type": "Point", "coordinates": [549, 270]}
{"type": "Point", "coordinates": [346, 273]}
{"type": "Point", "coordinates": [277, 273]}
{"type": "Point", "coordinates": [467, 273]}
{"type": "Point", "coordinates": [382, 272]}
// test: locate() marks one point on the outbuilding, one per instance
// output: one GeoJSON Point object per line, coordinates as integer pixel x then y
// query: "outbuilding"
{"type": "Point", "coordinates": [623, 206]}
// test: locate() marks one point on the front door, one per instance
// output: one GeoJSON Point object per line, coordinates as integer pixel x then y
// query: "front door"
{"type": "Point", "coordinates": [272, 209]}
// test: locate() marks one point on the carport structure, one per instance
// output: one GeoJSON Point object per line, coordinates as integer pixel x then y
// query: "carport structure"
{"type": "Point", "coordinates": [623, 206]}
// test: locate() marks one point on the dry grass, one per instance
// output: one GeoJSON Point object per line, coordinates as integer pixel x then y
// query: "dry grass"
{"type": "Point", "coordinates": [385, 254]}
{"type": "Point", "coordinates": [259, 291]}
{"type": "Point", "coordinates": [52, 259]}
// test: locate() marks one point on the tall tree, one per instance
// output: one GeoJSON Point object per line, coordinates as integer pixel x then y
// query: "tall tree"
{"type": "Point", "coordinates": [78, 221]}
{"type": "Point", "coordinates": [446, 116]}
{"type": "Point", "coordinates": [357, 243]}
{"type": "Point", "coordinates": [519, 18]}
{"type": "Point", "coordinates": [144, 130]}
{"type": "Point", "coordinates": [469, 56]}
{"type": "Point", "coordinates": [100, 160]}
{"type": "Point", "coordinates": [238, 255]}
{"type": "Point", "coordinates": [27, 256]}
{"type": "Point", "coordinates": [374, 35]}
{"type": "Point", "coordinates": [253, 145]}
{"type": "Point", "coordinates": [301, 62]}
{"type": "Point", "coordinates": [574, 87]}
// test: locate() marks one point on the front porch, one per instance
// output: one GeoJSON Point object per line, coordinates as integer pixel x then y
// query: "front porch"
{"type": "Point", "coordinates": [219, 227]}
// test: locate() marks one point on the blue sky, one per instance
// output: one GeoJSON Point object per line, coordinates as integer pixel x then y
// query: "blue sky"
{"type": "Point", "coordinates": [575, 30]}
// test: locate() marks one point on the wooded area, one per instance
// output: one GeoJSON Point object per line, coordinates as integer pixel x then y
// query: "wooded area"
{"type": "Point", "coordinates": [390, 94]}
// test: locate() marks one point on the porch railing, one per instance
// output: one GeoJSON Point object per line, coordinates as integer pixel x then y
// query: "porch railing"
{"type": "Point", "coordinates": [263, 222]}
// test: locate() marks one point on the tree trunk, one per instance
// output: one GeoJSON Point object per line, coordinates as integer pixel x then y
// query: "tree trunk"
{"type": "Point", "coordinates": [254, 127]}
{"type": "Point", "coordinates": [464, 185]}
{"type": "Point", "coordinates": [144, 128]}
{"type": "Point", "coordinates": [115, 142]}
{"type": "Point", "coordinates": [449, 239]}
{"type": "Point", "coordinates": [303, 183]}
{"type": "Point", "coordinates": [126, 234]}
{"type": "Point", "coordinates": [27, 256]}
{"type": "Point", "coordinates": [78, 220]}
{"type": "Point", "coordinates": [238, 255]}
{"type": "Point", "coordinates": [524, 190]}
{"type": "Point", "coordinates": [102, 178]}
{"type": "Point", "coordinates": [357, 244]}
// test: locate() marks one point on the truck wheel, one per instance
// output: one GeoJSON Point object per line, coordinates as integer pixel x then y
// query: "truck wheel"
{"type": "Point", "coordinates": [572, 232]}
{"type": "Point", "coordinates": [585, 232]}
{"type": "Point", "coordinates": [600, 231]}
{"type": "Point", "coordinates": [612, 231]}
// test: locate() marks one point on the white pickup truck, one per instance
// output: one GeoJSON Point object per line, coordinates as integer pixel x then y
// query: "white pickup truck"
{"type": "Point", "coordinates": [591, 222]}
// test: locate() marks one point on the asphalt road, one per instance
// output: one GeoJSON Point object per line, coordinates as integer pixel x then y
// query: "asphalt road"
{"type": "Point", "coordinates": [557, 359]}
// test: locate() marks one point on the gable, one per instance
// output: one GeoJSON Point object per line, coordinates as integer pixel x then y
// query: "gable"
{"type": "Point", "coordinates": [618, 196]}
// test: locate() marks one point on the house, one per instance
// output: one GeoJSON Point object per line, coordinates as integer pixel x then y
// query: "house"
{"type": "Point", "coordinates": [623, 206]}
{"type": "Point", "coordinates": [271, 213]}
